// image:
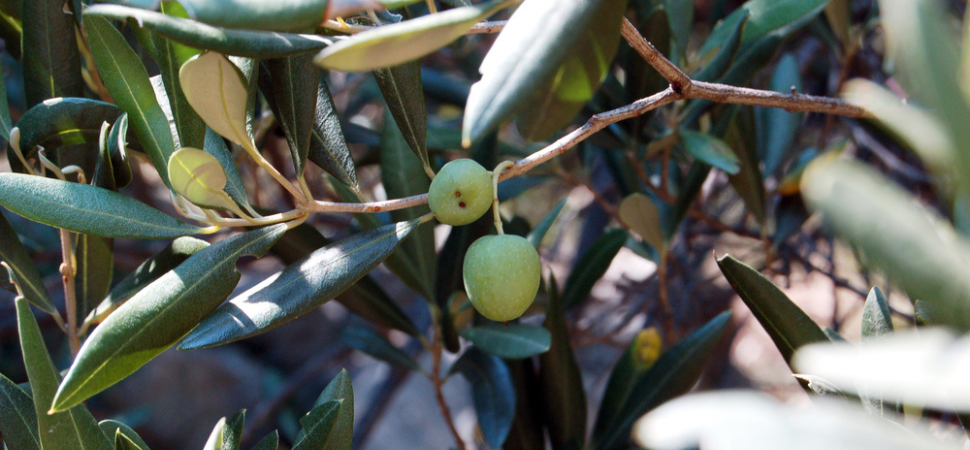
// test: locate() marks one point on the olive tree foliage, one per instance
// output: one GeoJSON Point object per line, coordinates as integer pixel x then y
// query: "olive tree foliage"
{"type": "Point", "coordinates": [667, 112]}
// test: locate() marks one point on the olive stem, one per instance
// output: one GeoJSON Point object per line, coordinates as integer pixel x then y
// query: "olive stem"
{"type": "Point", "coordinates": [495, 176]}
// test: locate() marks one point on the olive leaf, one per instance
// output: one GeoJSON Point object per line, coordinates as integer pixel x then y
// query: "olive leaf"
{"type": "Point", "coordinates": [641, 215]}
{"type": "Point", "coordinates": [218, 92]}
{"type": "Point", "coordinates": [198, 176]}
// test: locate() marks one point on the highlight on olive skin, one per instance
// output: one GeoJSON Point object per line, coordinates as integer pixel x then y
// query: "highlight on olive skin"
{"type": "Point", "coordinates": [502, 274]}
{"type": "Point", "coordinates": [460, 193]}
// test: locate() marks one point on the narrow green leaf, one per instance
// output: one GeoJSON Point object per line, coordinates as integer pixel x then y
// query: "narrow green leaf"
{"type": "Point", "coordinates": [710, 150]}
{"type": "Point", "coordinates": [726, 45]}
{"type": "Point", "coordinates": [368, 341]}
{"type": "Point", "coordinates": [674, 374]}
{"type": "Point", "coordinates": [690, 189]}
{"type": "Point", "coordinates": [492, 392]}
{"type": "Point", "coordinates": [159, 315]}
{"type": "Point", "coordinates": [593, 45]}
{"type": "Point", "coordinates": [526, 432]}
{"type": "Point", "coordinates": [877, 321]}
{"type": "Point", "coordinates": [51, 60]}
{"type": "Point", "coordinates": [394, 44]}
{"type": "Point", "coordinates": [127, 81]}
{"type": "Point", "coordinates": [18, 420]}
{"type": "Point", "coordinates": [86, 209]}
{"type": "Point", "coordinates": [748, 182]}
{"type": "Point", "coordinates": [95, 268]}
{"type": "Point", "coordinates": [300, 288]}
{"type": "Point", "coordinates": [535, 236]}
{"type": "Point", "coordinates": [123, 442]}
{"type": "Point", "coordinates": [339, 389]}
{"type": "Point", "coordinates": [115, 428]}
{"type": "Point", "coordinates": [232, 434]}
{"type": "Point", "coordinates": [786, 323]}
{"type": "Point", "coordinates": [269, 442]}
{"type": "Point", "coordinates": [403, 176]}
{"type": "Point", "coordinates": [73, 429]}
{"type": "Point", "coordinates": [6, 123]}
{"type": "Point", "coordinates": [765, 17]}
{"type": "Point", "coordinates": [218, 91]}
{"type": "Point", "coordinates": [919, 251]}
{"type": "Point", "coordinates": [235, 186]}
{"type": "Point", "coordinates": [328, 146]}
{"type": "Point", "coordinates": [514, 341]}
{"type": "Point", "coordinates": [779, 127]}
{"type": "Point", "coordinates": [60, 122]}
{"type": "Point", "coordinates": [295, 81]}
{"type": "Point", "coordinates": [403, 92]}
{"type": "Point", "coordinates": [638, 358]}
{"type": "Point", "coordinates": [198, 176]}
{"type": "Point", "coordinates": [640, 214]}
{"type": "Point", "coordinates": [564, 400]}
{"type": "Point", "coordinates": [527, 59]}
{"type": "Point", "coordinates": [25, 274]}
{"type": "Point", "coordinates": [170, 55]}
{"type": "Point", "coordinates": [228, 41]}
{"type": "Point", "coordinates": [147, 272]}
{"type": "Point", "coordinates": [118, 152]}
{"type": "Point", "coordinates": [591, 266]}
{"type": "Point", "coordinates": [260, 15]}
{"type": "Point", "coordinates": [681, 17]}
{"type": "Point", "coordinates": [215, 438]}
{"type": "Point", "coordinates": [319, 425]}
{"type": "Point", "coordinates": [11, 25]}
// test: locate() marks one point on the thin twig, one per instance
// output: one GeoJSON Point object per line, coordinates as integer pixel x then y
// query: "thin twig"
{"type": "Point", "coordinates": [438, 382]}
{"type": "Point", "coordinates": [488, 27]}
{"type": "Point", "coordinates": [68, 272]}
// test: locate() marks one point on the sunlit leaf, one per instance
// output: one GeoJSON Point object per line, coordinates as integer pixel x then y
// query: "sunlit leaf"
{"type": "Point", "coordinates": [198, 176]}
{"type": "Point", "coordinates": [319, 425]}
{"type": "Point", "coordinates": [59, 122]}
{"type": "Point", "coordinates": [394, 44]}
{"type": "Point", "coordinates": [86, 209]}
{"type": "Point", "coordinates": [300, 288]}
{"type": "Point", "coordinates": [159, 315]}
{"type": "Point", "coordinates": [640, 214]}
{"type": "Point", "coordinates": [218, 92]}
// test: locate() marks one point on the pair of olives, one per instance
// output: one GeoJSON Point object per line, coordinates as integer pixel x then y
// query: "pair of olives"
{"type": "Point", "coordinates": [501, 272]}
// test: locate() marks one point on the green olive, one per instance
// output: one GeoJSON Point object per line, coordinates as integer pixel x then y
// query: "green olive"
{"type": "Point", "coordinates": [460, 193]}
{"type": "Point", "coordinates": [501, 276]}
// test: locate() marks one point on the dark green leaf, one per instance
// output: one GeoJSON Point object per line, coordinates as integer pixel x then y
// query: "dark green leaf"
{"type": "Point", "coordinates": [127, 81]}
{"type": "Point", "coordinates": [779, 127]}
{"type": "Point", "coordinates": [526, 432]}
{"type": "Point", "coordinates": [235, 186]}
{"type": "Point", "coordinates": [681, 17]}
{"type": "Point", "coordinates": [300, 288]}
{"type": "Point", "coordinates": [492, 392]}
{"type": "Point", "coordinates": [790, 214]}
{"type": "Point", "coordinates": [535, 236]}
{"type": "Point", "coordinates": [25, 273]}
{"type": "Point", "coordinates": [726, 46]}
{"type": "Point", "coordinates": [328, 146]}
{"type": "Point", "coordinates": [339, 389]}
{"type": "Point", "coordinates": [514, 341]}
{"type": "Point", "coordinates": [118, 153]}
{"type": "Point", "coordinates": [368, 341]}
{"type": "Point", "coordinates": [591, 266]}
{"type": "Point", "coordinates": [115, 428]}
{"type": "Point", "coordinates": [639, 356]}
{"type": "Point", "coordinates": [674, 374]}
{"type": "Point", "coordinates": [404, 95]}
{"type": "Point", "coordinates": [765, 17]}
{"type": "Point", "coordinates": [61, 122]}
{"type": "Point", "coordinates": [319, 425]}
{"type": "Point", "coordinates": [876, 318]}
{"type": "Point", "coordinates": [788, 326]}
{"type": "Point", "coordinates": [51, 60]}
{"type": "Point", "coordinates": [240, 42]}
{"type": "Point", "coordinates": [18, 420]}
{"type": "Point", "coordinates": [159, 315]}
{"type": "Point", "coordinates": [95, 267]}
{"type": "Point", "coordinates": [147, 272]}
{"type": "Point", "coordinates": [593, 44]}
{"type": "Point", "coordinates": [269, 442]}
{"type": "Point", "coordinates": [749, 182]}
{"type": "Point", "coordinates": [576, 39]}
{"type": "Point", "coordinates": [403, 176]}
{"type": "Point", "coordinates": [561, 382]}
{"type": "Point", "coordinates": [295, 82]}
{"type": "Point", "coordinates": [398, 43]}
{"type": "Point", "coordinates": [73, 429]}
{"type": "Point", "coordinates": [689, 190]}
{"type": "Point", "coordinates": [86, 209]}
{"type": "Point", "coordinates": [232, 434]}
{"type": "Point", "coordinates": [259, 15]}
{"type": "Point", "coordinates": [6, 123]}
{"type": "Point", "coordinates": [170, 55]}
{"type": "Point", "coordinates": [919, 251]}
{"type": "Point", "coordinates": [710, 150]}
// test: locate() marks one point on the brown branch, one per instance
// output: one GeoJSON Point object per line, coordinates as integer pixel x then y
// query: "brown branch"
{"type": "Point", "coordinates": [438, 382]}
{"type": "Point", "coordinates": [68, 272]}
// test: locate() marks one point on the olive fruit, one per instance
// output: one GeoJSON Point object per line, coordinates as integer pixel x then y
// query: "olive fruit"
{"type": "Point", "coordinates": [501, 276]}
{"type": "Point", "coordinates": [460, 193]}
